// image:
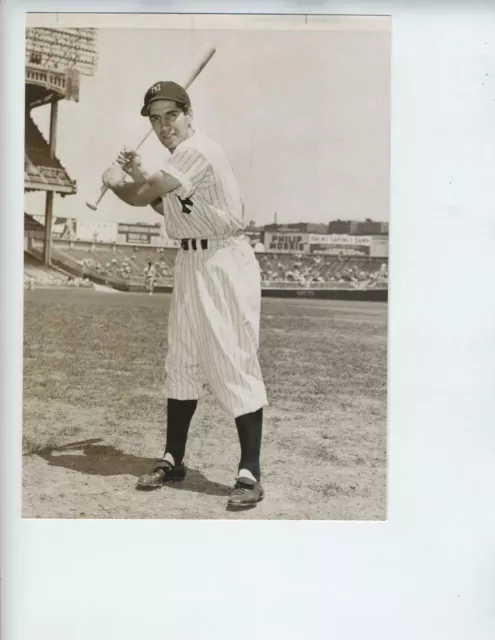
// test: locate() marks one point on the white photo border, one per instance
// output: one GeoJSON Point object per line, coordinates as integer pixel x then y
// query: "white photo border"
{"type": "Point", "coordinates": [425, 573]}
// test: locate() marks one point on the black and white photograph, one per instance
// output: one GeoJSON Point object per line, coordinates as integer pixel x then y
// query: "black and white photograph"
{"type": "Point", "coordinates": [206, 225]}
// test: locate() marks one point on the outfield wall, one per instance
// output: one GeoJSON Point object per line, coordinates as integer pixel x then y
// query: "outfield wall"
{"type": "Point", "coordinates": [364, 295]}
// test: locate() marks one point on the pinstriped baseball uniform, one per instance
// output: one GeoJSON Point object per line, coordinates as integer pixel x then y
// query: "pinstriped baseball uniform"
{"type": "Point", "coordinates": [213, 330]}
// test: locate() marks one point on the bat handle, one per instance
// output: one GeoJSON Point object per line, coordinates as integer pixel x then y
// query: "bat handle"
{"type": "Point", "coordinates": [94, 205]}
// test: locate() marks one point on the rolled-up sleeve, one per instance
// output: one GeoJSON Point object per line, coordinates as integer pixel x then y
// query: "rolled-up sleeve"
{"type": "Point", "coordinates": [190, 168]}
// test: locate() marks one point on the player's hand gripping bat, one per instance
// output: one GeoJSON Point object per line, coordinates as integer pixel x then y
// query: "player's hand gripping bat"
{"type": "Point", "coordinates": [194, 73]}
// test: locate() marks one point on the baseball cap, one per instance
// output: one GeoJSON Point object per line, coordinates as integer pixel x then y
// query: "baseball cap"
{"type": "Point", "coordinates": [165, 90]}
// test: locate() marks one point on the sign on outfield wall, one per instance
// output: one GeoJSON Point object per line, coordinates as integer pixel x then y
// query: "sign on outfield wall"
{"type": "Point", "coordinates": [96, 231]}
{"type": "Point", "coordinates": [340, 239]}
{"type": "Point", "coordinates": [340, 250]}
{"type": "Point", "coordinates": [139, 234]}
{"type": "Point", "coordinates": [340, 244]}
{"type": "Point", "coordinates": [379, 247]}
{"type": "Point", "coordinates": [286, 242]}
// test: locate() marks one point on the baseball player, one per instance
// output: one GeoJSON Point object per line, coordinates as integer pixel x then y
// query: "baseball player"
{"type": "Point", "coordinates": [213, 329]}
{"type": "Point", "coordinates": [150, 275]}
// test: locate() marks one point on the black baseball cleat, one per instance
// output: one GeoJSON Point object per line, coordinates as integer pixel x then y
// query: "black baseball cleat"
{"type": "Point", "coordinates": [162, 473]}
{"type": "Point", "coordinates": [246, 493]}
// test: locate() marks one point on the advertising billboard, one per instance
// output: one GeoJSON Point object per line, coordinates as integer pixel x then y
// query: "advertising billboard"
{"type": "Point", "coordinates": [96, 231]}
{"type": "Point", "coordinates": [340, 244]}
{"type": "Point", "coordinates": [341, 239]}
{"type": "Point", "coordinates": [139, 234]}
{"type": "Point", "coordinates": [379, 247]}
{"type": "Point", "coordinates": [286, 242]}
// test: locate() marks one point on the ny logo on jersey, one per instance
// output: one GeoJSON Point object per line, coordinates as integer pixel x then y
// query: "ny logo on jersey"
{"type": "Point", "coordinates": [156, 87]}
{"type": "Point", "coordinates": [186, 203]}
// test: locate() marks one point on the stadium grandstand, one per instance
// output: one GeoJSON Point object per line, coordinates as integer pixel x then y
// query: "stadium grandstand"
{"type": "Point", "coordinates": [122, 266]}
{"type": "Point", "coordinates": [55, 60]}
{"type": "Point", "coordinates": [320, 270]}
{"type": "Point", "coordinates": [115, 265]}
{"type": "Point", "coordinates": [42, 172]}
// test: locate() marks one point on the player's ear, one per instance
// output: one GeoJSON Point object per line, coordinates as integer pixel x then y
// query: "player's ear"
{"type": "Point", "coordinates": [189, 114]}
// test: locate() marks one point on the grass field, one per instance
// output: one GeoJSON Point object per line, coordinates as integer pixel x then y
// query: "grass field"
{"type": "Point", "coordinates": [93, 371]}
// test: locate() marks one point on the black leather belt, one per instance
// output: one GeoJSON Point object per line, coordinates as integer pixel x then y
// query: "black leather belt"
{"type": "Point", "coordinates": [193, 244]}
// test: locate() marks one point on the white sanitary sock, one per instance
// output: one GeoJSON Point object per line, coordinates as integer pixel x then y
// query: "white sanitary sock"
{"type": "Point", "coordinates": [245, 473]}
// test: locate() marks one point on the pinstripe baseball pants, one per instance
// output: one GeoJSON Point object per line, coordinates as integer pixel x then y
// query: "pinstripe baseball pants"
{"type": "Point", "coordinates": [213, 327]}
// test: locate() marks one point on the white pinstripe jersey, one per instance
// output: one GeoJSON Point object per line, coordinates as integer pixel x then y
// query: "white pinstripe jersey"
{"type": "Point", "coordinates": [208, 203]}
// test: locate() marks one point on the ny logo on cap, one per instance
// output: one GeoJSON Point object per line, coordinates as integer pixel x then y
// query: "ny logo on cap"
{"type": "Point", "coordinates": [156, 87]}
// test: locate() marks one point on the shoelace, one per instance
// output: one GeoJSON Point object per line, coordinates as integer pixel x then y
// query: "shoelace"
{"type": "Point", "coordinates": [162, 469]}
{"type": "Point", "coordinates": [241, 488]}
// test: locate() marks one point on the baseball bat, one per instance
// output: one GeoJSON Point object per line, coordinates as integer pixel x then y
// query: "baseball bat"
{"type": "Point", "coordinates": [194, 73]}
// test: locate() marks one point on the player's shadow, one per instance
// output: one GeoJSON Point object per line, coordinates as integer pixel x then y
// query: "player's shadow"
{"type": "Point", "coordinates": [91, 458]}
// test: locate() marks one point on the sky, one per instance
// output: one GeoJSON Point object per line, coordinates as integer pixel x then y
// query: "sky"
{"type": "Point", "coordinates": [303, 115]}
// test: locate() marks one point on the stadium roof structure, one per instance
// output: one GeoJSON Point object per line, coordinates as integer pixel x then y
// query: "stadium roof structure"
{"type": "Point", "coordinates": [41, 171]}
{"type": "Point", "coordinates": [55, 59]}
{"type": "Point", "coordinates": [31, 224]}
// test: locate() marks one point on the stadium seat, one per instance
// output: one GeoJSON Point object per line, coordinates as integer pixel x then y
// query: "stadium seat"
{"type": "Point", "coordinates": [126, 264]}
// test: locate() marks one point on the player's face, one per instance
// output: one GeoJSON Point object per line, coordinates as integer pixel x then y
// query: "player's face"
{"type": "Point", "coordinates": [169, 122]}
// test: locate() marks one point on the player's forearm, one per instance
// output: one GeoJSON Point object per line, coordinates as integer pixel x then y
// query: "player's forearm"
{"type": "Point", "coordinates": [140, 194]}
{"type": "Point", "coordinates": [130, 193]}
{"type": "Point", "coordinates": [139, 176]}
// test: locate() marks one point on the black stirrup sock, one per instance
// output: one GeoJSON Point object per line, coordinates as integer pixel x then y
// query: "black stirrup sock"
{"type": "Point", "coordinates": [179, 416]}
{"type": "Point", "coordinates": [249, 428]}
